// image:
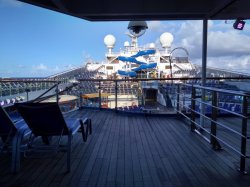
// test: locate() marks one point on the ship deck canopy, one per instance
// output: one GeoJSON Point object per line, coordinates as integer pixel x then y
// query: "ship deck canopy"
{"type": "Point", "coordinates": [95, 10]}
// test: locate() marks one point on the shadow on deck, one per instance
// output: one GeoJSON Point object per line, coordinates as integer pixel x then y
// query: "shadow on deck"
{"type": "Point", "coordinates": [131, 151]}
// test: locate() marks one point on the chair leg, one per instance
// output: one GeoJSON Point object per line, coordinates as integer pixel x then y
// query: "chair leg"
{"type": "Point", "coordinates": [17, 140]}
{"type": "Point", "coordinates": [14, 158]}
{"type": "Point", "coordinates": [18, 150]}
{"type": "Point", "coordinates": [69, 152]}
{"type": "Point", "coordinates": [89, 126]}
{"type": "Point", "coordinates": [83, 131]}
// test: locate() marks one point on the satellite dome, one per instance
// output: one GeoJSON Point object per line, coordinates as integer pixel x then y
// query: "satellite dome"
{"type": "Point", "coordinates": [152, 46]}
{"type": "Point", "coordinates": [109, 41]}
{"type": "Point", "coordinates": [126, 44]}
{"type": "Point", "coordinates": [166, 39]}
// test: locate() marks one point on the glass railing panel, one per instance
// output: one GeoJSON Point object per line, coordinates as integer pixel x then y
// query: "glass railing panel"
{"type": "Point", "coordinates": [129, 96]}
{"type": "Point", "coordinates": [89, 93]}
{"type": "Point", "coordinates": [22, 91]}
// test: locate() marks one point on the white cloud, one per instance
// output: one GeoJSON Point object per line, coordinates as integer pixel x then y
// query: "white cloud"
{"type": "Point", "coordinates": [21, 66]}
{"type": "Point", "coordinates": [69, 66]}
{"type": "Point", "coordinates": [155, 26]}
{"type": "Point", "coordinates": [86, 55]}
{"type": "Point", "coordinates": [228, 43]}
{"type": "Point", "coordinates": [232, 63]}
{"type": "Point", "coordinates": [56, 69]}
{"type": "Point", "coordinates": [40, 67]}
{"type": "Point", "coordinates": [227, 48]}
{"type": "Point", "coordinates": [220, 43]}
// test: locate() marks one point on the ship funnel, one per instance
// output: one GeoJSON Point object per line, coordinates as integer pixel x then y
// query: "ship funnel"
{"type": "Point", "coordinates": [109, 41]}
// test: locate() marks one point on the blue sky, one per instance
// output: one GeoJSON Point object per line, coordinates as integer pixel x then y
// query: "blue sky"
{"type": "Point", "coordinates": [39, 42]}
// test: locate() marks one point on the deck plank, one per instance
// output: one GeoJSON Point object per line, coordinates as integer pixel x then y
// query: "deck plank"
{"type": "Point", "coordinates": [132, 150]}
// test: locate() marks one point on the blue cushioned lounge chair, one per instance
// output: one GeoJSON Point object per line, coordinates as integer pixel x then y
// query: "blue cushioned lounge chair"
{"type": "Point", "coordinates": [46, 120]}
{"type": "Point", "coordinates": [12, 135]}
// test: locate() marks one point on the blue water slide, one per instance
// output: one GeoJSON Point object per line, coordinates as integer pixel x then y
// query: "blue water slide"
{"type": "Point", "coordinates": [127, 73]}
{"type": "Point", "coordinates": [145, 66]}
{"type": "Point", "coordinates": [130, 59]}
{"type": "Point", "coordinates": [145, 52]}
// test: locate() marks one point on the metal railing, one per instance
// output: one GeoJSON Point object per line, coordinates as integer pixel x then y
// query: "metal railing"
{"type": "Point", "coordinates": [196, 117]}
{"type": "Point", "coordinates": [180, 97]}
{"type": "Point", "coordinates": [11, 88]}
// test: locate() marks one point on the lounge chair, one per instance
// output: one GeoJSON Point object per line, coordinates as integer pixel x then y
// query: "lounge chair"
{"type": "Point", "coordinates": [12, 135]}
{"type": "Point", "coordinates": [46, 120]}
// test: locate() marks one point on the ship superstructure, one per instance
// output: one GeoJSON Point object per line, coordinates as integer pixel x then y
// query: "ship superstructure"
{"type": "Point", "coordinates": [141, 62]}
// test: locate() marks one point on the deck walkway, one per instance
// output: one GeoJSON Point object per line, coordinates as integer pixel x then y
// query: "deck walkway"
{"type": "Point", "coordinates": [131, 151]}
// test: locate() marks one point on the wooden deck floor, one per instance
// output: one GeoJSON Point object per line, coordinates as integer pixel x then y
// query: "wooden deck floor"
{"type": "Point", "coordinates": [131, 151]}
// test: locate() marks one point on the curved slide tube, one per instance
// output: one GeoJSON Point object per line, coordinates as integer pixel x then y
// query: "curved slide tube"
{"type": "Point", "coordinates": [130, 59]}
{"type": "Point", "coordinates": [127, 73]}
{"type": "Point", "coordinates": [143, 65]}
{"type": "Point", "coordinates": [145, 52]}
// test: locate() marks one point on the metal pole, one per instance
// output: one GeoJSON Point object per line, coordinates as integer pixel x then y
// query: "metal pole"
{"type": "Point", "coordinates": [178, 98]}
{"type": "Point", "coordinates": [116, 89]}
{"type": "Point", "coordinates": [244, 135]}
{"type": "Point", "coordinates": [100, 97]}
{"type": "Point", "coordinates": [216, 145]}
{"type": "Point", "coordinates": [57, 92]}
{"type": "Point", "coordinates": [203, 70]}
{"type": "Point", "coordinates": [27, 92]}
{"type": "Point", "coordinates": [80, 96]}
{"type": "Point", "coordinates": [193, 113]}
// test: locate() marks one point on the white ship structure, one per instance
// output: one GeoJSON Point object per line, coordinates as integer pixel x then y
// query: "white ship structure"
{"type": "Point", "coordinates": [134, 61]}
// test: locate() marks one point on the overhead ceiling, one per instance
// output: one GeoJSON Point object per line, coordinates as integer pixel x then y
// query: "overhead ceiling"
{"type": "Point", "coordinates": [108, 10]}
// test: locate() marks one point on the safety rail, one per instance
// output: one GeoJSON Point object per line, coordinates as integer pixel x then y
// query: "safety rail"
{"type": "Point", "coordinates": [180, 99]}
{"type": "Point", "coordinates": [196, 116]}
{"type": "Point", "coordinates": [16, 87]}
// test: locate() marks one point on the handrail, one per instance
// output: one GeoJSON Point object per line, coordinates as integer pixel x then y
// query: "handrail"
{"type": "Point", "coordinates": [229, 111]}
{"type": "Point", "coordinates": [26, 80]}
{"type": "Point", "coordinates": [240, 93]}
{"type": "Point", "coordinates": [170, 79]}
{"type": "Point", "coordinates": [214, 139]}
{"type": "Point", "coordinates": [56, 94]}
{"type": "Point", "coordinates": [55, 85]}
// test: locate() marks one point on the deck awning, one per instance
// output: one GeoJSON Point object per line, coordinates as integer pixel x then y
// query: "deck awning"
{"type": "Point", "coordinates": [107, 10]}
